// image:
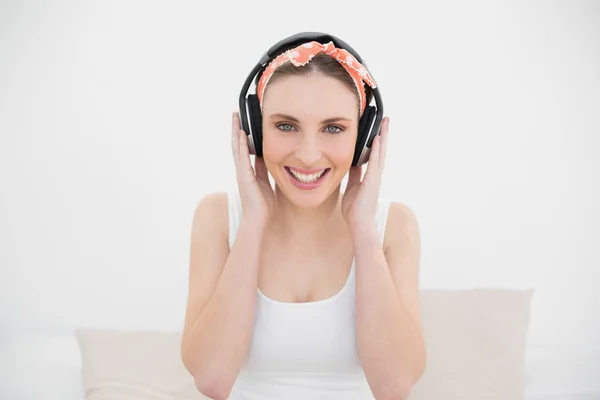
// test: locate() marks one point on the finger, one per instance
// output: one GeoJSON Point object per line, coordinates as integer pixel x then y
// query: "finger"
{"type": "Point", "coordinates": [244, 152]}
{"type": "Point", "coordinates": [235, 137]}
{"type": "Point", "coordinates": [374, 156]}
{"type": "Point", "coordinates": [383, 141]}
{"type": "Point", "coordinates": [373, 172]}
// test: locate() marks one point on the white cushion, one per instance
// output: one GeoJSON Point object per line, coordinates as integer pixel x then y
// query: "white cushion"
{"type": "Point", "coordinates": [476, 342]}
{"type": "Point", "coordinates": [134, 365]}
{"type": "Point", "coordinates": [40, 365]}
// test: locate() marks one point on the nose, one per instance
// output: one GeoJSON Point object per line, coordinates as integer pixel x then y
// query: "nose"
{"type": "Point", "coordinates": [309, 150]}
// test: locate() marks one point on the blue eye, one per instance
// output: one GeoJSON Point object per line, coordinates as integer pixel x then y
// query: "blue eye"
{"type": "Point", "coordinates": [336, 127]}
{"type": "Point", "coordinates": [285, 125]}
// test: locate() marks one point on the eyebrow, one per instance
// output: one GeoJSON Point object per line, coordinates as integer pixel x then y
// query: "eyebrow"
{"type": "Point", "coordinates": [293, 119]}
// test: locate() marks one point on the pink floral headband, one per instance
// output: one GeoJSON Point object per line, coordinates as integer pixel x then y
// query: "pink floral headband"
{"type": "Point", "coordinates": [302, 54]}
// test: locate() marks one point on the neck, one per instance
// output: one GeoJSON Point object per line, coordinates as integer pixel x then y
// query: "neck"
{"type": "Point", "coordinates": [306, 225]}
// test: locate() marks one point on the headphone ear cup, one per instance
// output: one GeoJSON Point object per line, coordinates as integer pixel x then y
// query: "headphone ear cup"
{"type": "Point", "coordinates": [364, 133]}
{"type": "Point", "coordinates": [255, 121]}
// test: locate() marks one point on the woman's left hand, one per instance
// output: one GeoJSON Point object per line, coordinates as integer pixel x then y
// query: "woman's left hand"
{"type": "Point", "coordinates": [360, 198]}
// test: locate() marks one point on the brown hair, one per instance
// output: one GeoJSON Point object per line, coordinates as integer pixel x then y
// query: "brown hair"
{"type": "Point", "coordinates": [324, 64]}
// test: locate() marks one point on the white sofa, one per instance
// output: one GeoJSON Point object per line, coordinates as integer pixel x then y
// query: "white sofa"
{"type": "Point", "coordinates": [476, 339]}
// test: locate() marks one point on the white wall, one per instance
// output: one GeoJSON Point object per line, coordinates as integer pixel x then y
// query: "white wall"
{"type": "Point", "coordinates": [115, 118]}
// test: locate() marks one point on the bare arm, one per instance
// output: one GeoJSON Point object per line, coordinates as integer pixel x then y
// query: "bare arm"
{"type": "Point", "coordinates": [390, 336]}
{"type": "Point", "coordinates": [222, 296]}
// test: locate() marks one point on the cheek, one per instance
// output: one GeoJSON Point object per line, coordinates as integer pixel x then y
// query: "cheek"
{"type": "Point", "coordinates": [274, 147]}
{"type": "Point", "coordinates": [275, 152]}
{"type": "Point", "coordinates": [341, 154]}
{"type": "Point", "coordinates": [342, 151]}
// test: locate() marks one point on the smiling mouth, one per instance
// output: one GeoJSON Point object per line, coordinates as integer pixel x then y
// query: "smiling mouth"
{"type": "Point", "coordinates": [306, 178]}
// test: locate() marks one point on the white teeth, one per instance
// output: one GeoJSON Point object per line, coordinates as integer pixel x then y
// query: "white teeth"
{"type": "Point", "coordinates": [306, 178]}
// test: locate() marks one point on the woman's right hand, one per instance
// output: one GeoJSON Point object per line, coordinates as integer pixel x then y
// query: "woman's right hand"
{"type": "Point", "coordinates": [255, 190]}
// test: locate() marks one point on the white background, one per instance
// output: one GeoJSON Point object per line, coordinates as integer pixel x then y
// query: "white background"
{"type": "Point", "coordinates": [115, 121]}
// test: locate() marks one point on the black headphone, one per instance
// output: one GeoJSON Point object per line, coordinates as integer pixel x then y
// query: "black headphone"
{"type": "Point", "coordinates": [251, 116]}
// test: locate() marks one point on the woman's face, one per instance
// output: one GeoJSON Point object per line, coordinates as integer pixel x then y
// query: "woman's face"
{"type": "Point", "coordinates": [310, 128]}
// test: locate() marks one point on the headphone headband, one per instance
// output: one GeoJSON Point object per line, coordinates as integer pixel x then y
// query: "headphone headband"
{"type": "Point", "coordinates": [299, 38]}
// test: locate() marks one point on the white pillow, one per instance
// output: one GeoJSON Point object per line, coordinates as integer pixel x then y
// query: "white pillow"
{"type": "Point", "coordinates": [134, 365]}
{"type": "Point", "coordinates": [476, 341]}
{"type": "Point", "coordinates": [42, 364]}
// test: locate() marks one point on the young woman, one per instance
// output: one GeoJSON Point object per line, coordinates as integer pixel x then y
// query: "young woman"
{"type": "Point", "coordinates": [303, 291]}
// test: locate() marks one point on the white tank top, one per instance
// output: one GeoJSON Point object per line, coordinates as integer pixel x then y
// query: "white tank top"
{"type": "Point", "coordinates": [303, 350]}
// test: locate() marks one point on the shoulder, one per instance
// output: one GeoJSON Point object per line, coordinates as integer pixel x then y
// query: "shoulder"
{"type": "Point", "coordinates": [402, 226]}
{"type": "Point", "coordinates": [212, 204]}
{"type": "Point", "coordinates": [212, 215]}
